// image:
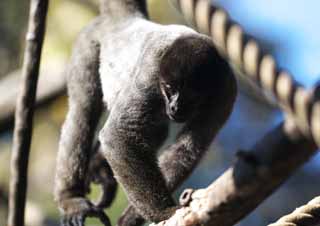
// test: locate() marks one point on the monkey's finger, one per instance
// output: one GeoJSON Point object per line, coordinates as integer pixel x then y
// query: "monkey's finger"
{"type": "Point", "coordinates": [78, 220]}
{"type": "Point", "coordinates": [67, 221]}
{"type": "Point", "coordinates": [63, 221]}
{"type": "Point", "coordinates": [74, 220]}
{"type": "Point", "coordinates": [81, 218]}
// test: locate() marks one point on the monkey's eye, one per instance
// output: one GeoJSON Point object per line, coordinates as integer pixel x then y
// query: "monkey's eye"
{"type": "Point", "coordinates": [169, 90]}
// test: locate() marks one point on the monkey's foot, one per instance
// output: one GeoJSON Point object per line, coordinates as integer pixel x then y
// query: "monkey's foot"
{"type": "Point", "coordinates": [77, 214]}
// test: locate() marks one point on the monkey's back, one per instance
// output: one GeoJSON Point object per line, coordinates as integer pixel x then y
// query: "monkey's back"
{"type": "Point", "coordinates": [134, 65]}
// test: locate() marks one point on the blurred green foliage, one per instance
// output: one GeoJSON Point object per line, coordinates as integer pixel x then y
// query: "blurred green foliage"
{"type": "Point", "coordinates": [13, 17]}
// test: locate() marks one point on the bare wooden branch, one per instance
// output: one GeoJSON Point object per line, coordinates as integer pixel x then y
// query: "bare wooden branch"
{"type": "Point", "coordinates": [24, 112]}
{"type": "Point", "coordinates": [253, 177]}
{"type": "Point", "coordinates": [51, 84]}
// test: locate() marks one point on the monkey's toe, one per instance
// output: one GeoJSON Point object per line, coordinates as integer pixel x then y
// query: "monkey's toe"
{"type": "Point", "coordinates": [78, 219]}
{"type": "Point", "coordinates": [69, 221]}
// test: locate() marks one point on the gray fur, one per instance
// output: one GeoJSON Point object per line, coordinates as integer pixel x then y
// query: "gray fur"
{"type": "Point", "coordinates": [122, 9]}
{"type": "Point", "coordinates": [131, 56]}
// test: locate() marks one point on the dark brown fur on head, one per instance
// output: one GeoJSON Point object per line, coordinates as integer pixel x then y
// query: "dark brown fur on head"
{"type": "Point", "coordinates": [192, 69]}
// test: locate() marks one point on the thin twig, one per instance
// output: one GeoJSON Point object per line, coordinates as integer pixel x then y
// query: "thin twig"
{"type": "Point", "coordinates": [24, 112]}
{"type": "Point", "coordinates": [51, 84]}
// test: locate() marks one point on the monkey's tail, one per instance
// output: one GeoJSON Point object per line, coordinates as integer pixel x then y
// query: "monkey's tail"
{"type": "Point", "coordinates": [101, 173]}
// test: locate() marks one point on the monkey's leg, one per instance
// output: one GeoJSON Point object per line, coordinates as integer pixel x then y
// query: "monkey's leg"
{"type": "Point", "coordinates": [101, 173]}
{"type": "Point", "coordinates": [85, 105]}
{"type": "Point", "coordinates": [130, 138]}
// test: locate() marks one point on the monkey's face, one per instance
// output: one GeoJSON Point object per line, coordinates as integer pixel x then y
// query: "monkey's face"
{"type": "Point", "coordinates": [189, 73]}
{"type": "Point", "coordinates": [180, 99]}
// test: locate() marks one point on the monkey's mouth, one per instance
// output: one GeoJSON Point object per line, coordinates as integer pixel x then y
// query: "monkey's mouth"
{"type": "Point", "coordinates": [177, 118]}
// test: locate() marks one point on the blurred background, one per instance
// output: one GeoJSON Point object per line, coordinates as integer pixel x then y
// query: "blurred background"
{"type": "Point", "coordinates": [289, 29]}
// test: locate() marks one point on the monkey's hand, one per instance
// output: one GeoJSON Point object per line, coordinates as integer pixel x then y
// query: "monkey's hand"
{"type": "Point", "coordinates": [75, 210]}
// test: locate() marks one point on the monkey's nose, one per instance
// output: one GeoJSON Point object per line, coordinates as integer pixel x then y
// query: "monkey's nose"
{"type": "Point", "coordinates": [173, 108]}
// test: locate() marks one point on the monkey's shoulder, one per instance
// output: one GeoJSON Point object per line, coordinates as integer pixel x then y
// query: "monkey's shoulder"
{"type": "Point", "coordinates": [136, 64]}
{"type": "Point", "coordinates": [147, 40]}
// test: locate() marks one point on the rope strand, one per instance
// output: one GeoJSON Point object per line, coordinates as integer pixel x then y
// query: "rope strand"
{"type": "Point", "coordinates": [307, 215]}
{"type": "Point", "coordinates": [244, 52]}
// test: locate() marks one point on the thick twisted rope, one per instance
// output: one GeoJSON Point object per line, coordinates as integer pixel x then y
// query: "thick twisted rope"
{"type": "Point", "coordinates": [245, 53]}
{"type": "Point", "coordinates": [307, 215]}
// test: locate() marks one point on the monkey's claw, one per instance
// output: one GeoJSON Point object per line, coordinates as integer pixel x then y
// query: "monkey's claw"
{"type": "Point", "coordinates": [78, 218]}
{"type": "Point", "coordinates": [74, 220]}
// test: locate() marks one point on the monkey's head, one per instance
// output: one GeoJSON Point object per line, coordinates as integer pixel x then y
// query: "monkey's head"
{"type": "Point", "coordinates": [191, 70]}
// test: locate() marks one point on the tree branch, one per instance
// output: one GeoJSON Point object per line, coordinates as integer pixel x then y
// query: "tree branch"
{"type": "Point", "coordinates": [24, 112]}
{"type": "Point", "coordinates": [253, 177]}
{"type": "Point", "coordinates": [50, 85]}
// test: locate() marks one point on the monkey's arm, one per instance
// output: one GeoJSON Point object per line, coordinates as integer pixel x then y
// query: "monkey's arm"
{"type": "Point", "coordinates": [133, 132]}
{"type": "Point", "coordinates": [179, 159]}
{"type": "Point", "coordinates": [85, 104]}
